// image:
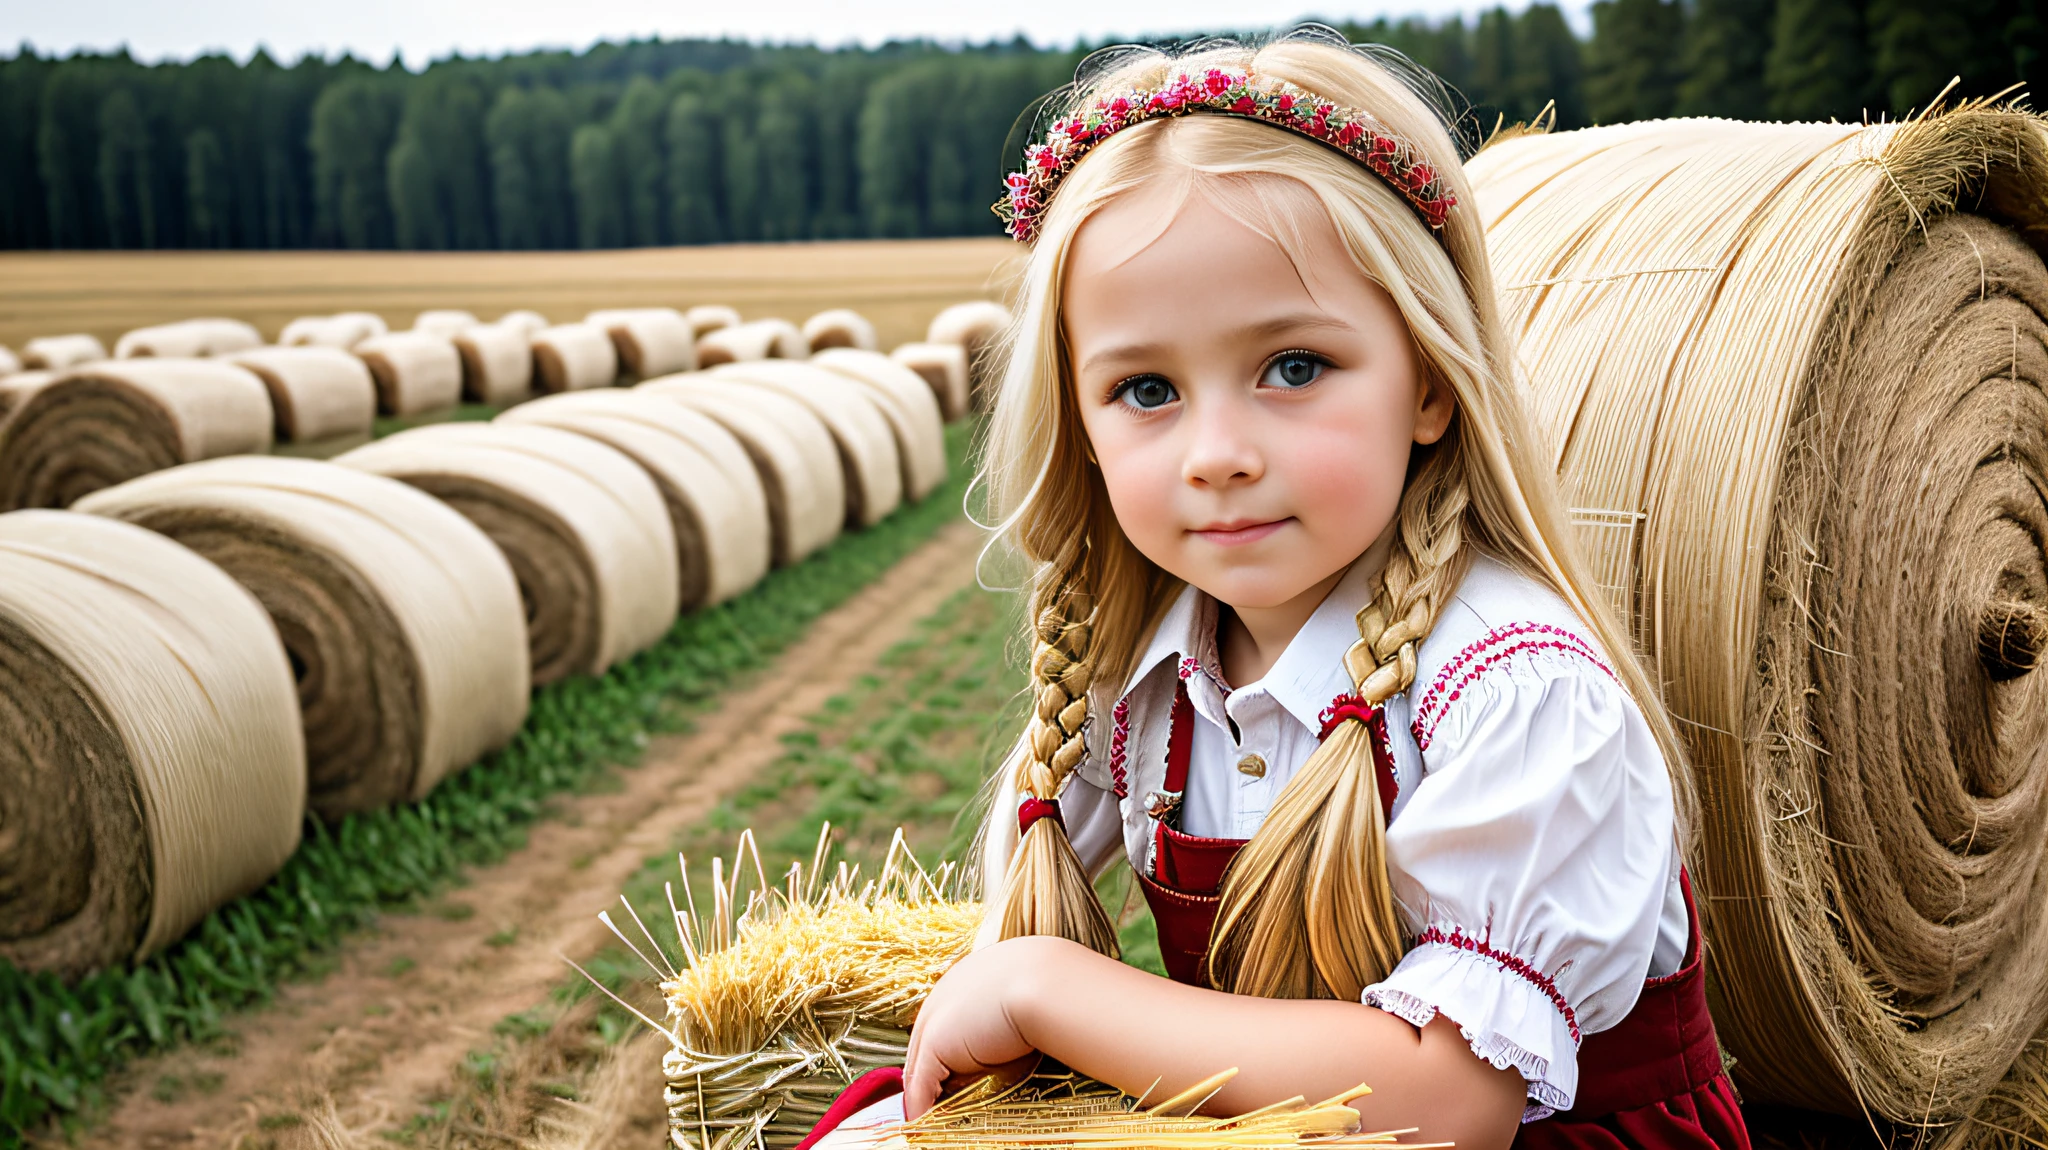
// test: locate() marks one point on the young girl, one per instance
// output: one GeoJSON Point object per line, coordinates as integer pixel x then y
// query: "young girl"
{"type": "Point", "coordinates": [1312, 651]}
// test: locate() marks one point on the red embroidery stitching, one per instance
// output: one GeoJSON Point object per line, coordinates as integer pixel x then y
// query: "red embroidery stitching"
{"type": "Point", "coordinates": [1119, 735]}
{"type": "Point", "coordinates": [1188, 667]}
{"type": "Point", "coordinates": [1430, 711]}
{"type": "Point", "coordinates": [1513, 964]}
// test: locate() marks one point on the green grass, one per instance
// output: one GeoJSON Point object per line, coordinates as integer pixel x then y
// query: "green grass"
{"type": "Point", "coordinates": [59, 1043]}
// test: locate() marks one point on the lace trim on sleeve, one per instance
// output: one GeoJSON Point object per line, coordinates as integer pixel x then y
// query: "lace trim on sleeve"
{"type": "Point", "coordinates": [1483, 655]}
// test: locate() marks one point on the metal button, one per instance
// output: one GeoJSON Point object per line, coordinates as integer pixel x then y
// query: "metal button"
{"type": "Point", "coordinates": [1252, 765]}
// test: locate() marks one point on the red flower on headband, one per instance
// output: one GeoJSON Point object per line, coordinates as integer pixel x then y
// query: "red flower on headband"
{"type": "Point", "coordinates": [1216, 82]}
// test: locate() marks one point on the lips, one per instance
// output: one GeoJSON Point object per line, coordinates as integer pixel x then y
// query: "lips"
{"type": "Point", "coordinates": [1239, 532]}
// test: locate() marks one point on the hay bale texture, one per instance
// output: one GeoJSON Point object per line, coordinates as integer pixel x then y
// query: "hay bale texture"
{"type": "Point", "coordinates": [573, 357]}
{"type": "Point", "coordinates": [18, 389]}
{"type": "Point", "coordinates": [497, 362]}
{"type": "Point", "coordinates": [10, 363]}
{"type": "Point", "coordinates": [974, 327]}
{"type": "Point", "coordinates": [343, 331]}
{"type": "Point", "coordinates": [105, 424]}
{"type": "Point", "coordinates": [1794, 378]}
{"type": "Point", "coordinates": [443, 321]}
{"type": "Point", "coordinates": [839, 327]}
{"type": "Point", "coordinates": [583, 527]}
{"type": "Point", "coordinates": [709, 317]}
{"type": "Point", "coordinates": [714, 498]}
{"type": "Point", "coordinates": [943, 367]}
{"type": "Point", "coordinates": [154, 764]}
{"type": "Point", "coordinates": [868, 460]}
{"type": "Point", "coordinates": [910, 407]}
{"type": "Point", "coordinates": [58, 352]}
{"type": "Point", "coordinates": [188, 339]}
{"type": "Point", "coordinates": [651, 341]}
{"type": "Point", "coordinates": [416, 371]}
{"type": "Point", "coordinates": [792, 453]}
{"type": "Point", "coordinates": [315, 392]}
{"type": "Point", "coordinates": [401, 619]}
{"type": "Point", "coordinates": [746, 342]}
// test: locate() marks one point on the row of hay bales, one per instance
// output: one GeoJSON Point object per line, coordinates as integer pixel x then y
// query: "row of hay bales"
{"type": "Point", "coordinates": [210, 643]}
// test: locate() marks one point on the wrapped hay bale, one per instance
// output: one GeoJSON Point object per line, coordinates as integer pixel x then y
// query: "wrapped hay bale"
{"type": "Point", "coordinates": [97, 426]}
{"type": "Point", "coordinates": [415, 372]}
{"type": "Point", "coordinates": [912, 411]}
{"type": "Point", "coordinates": [839, 327]}
{"type": "Point", "coordinates": [744, 343]}
{"type": "Point", "coordinates": [861, 432]}
{"type": "Point", "coordinates": [443, 321]}
{"type": "Point", "coordinates": [401, 619]}
{"type": "Point", "coordinates": [526, 320]}
{"type": "Point", "coordinates": [10, 363]}
{"type": "Point", "coordinates": [18, 389]}
{"type": "Point", "coordinates": [943, 367]}
{"type": "Point", "coordinates": [574, 356]}
{"type": "Point", "coordinates": [715, 501]}
{"type": "Point", "coordinates": [792, 453]}
{"type": "Point", "coordinates": [497, 363]}
{"type": "Point", "coordinates": [1795, 378]}
{"type": "Point", "coordinates": [58, 352]}
{"type": "Point", "coordinates": [651, 341]}
{"type": "Point", "coordinates": [155, 767]}
{"type": "Point", "coordinates": [583, 527]}
{"type": "Point", "coordinates": [188, 339]}
{"type": "Point", "coordinates": [974, 327]}
{"type": "Point", "coordinates": [343, 331]}
{"type": "Point", "coordinates": [315, 392]}
{"type": "Point", "coordinates": [707, 318]}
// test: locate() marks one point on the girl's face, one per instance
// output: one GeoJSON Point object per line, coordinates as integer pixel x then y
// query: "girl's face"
{"type": "Point", "coordinates": [1252, 418]}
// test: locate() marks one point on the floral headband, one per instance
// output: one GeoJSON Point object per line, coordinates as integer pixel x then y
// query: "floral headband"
{"type": "Point", "coordinates": [1229, 93]}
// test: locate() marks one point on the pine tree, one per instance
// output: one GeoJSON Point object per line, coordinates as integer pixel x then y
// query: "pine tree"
{"type": "Point", "coordinates": [637, 139]}
{"type": "Point", "coordinates": [1724, 60]}
{"type": "Point", "coordinates": [1550, 68]}
{"type": "Point", "coordinates": [206, 191]}
{"type": "Point", "coordinates": [788, 157]}
{"type": "Point", "coordinates": [127, 175]}
{"type": "Point", "coordinates": [695, 174]}
{"type": "Point", "coordinates": [1916, 48]}
{"type": "Point", "coordinates": [1631, 65]}
{"type": "Point", "coordinates": [593, 175]}
{"type": "Point", "coordinates": [352, 125]}
{"type": "Point", "coordinates": [512, 190]}
{"type": "Point", "coordinates": [1818, 64]}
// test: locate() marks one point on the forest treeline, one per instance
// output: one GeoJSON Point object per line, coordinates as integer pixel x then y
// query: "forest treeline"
{"type": "Point", "coordinates": [664, 142]}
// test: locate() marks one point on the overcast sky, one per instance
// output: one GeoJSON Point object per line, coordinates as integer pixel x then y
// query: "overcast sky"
{"type": "Point", "coordinates": [423, 30]}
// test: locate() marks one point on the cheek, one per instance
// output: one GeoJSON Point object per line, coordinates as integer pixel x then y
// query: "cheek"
{"type": "Point", "coordinates": [1142, 481]}
{"type": "Point", "coordinates": [1346, 472]}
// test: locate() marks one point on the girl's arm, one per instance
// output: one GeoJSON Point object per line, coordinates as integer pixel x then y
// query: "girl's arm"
{"type": "Point", "coordinates": [1145, 1034]}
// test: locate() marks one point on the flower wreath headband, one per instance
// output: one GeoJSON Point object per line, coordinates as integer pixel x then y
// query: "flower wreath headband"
{"type": "Point", "coordinates": [1228, 93]}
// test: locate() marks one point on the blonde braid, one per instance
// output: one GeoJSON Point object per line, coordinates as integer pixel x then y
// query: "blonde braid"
{"type": "Point", "coordinates": [1307, 907]}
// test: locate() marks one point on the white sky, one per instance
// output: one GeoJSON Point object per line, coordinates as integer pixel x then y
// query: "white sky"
{"type": "Point", "coordinates": [423, 30]}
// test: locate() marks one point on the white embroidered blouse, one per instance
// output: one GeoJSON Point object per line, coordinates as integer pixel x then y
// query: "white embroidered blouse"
{"type": "Point", "coordinates": [1532, 846]}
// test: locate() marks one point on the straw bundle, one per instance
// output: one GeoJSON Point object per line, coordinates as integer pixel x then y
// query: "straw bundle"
{"type": "Point", "coordinates": [582, 525]}
{"type": "Point", "coordinates": [715, 502]}
{"type": "Point", "coordinates": [651, 341]}
{"type": "Point", "coordinates": [912, 411]}
{"type": "Point", "coordinates": [57, 352]}
{"type": "Point", "coordinates": [1794, 375]}
{"type": "Point", "coordinates": [415, 371]}
{"type": "Point", "coordinates": [188, 339]}
{"type": "Point", "coordinates": [744, 343]}
{"type": "Point", "coordinates": [108, 423]}
{"type": "Point", "coordinates": [792, 453]}
{"type": "Point", "coordinates": [343, 331]}
{"type": "Point", "coordinates": [574, 356]}
{"type": "Point", "coordinates": [19, 388]}
{"type": "Point", "coordinates": [10, 363]}
{"type": "Point", "coordinates": [974, 327]}
{"type": "Point", "coordinates": [943, 367]}
{"type": "Point", "coordinates": [443, 321]}
{"type": "Point", "coordinates": [497, 363]}
{"type": "Point", "coordinates": [401, 619]}
{"type": "Point", "coordinates": [315, 392]}
{"type": "Point", "coordinates": [839, 327]}
{"type": "Point", "coordinates": [862, 436]}
{"type": "Point", "coordinates": [707, 318]}
{"type": "Point", "coordinates": [523, 319]}
{"type": "Point", "coordinates": [155, 768]}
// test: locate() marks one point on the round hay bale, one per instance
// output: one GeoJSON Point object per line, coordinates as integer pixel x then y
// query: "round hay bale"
{"type": "Point", "coordinates": [792, 453]}
{"type": "Point", "coordinates": [19, 388]}
{"type": "Point", "coordinates": [105, 424]}
{"type": "Point", "coordinates": [581, 524]}
{"type": "Point", "coordinates": [709, 317]}
{"type": "Point", "coordinates": [651, 341]}
{"type": "Point", "coordinates": [866, 445]}
{"type": "Point", "coordinates": [188, 339]}
{"type": "Point", "coordinates": [839, 327]}
{"type": "Point", "coordinates": [943, 367]}
{"type": "Point", "coordinates": [153, 759]}
{"type": "Point", "coordinates": [59, 352]}
{"type": "Point", "coordinates": [497, 363]}
{"type": "Point", "coordinates": [574, 356]}
{"type": "Point", "coordinates": [975, 327]}
{"type": "Point", "coordinates": [1794, 378]}
{"type": "Point", "coordinates": [400, 618]}
{"type": "Point", "coordinates": [10, 363]}
{"type": "Point", "coordinates": [715, 501]}
{"type": "Point", "coordinates": [415, 371]}
{"type": "Point", "coordinates": [315, 392]}
{"type": "Point", "coordinates": [443, 321]}
{"type": "Point", "coordinates": [343, 331]}
{"type": "Point", "coordinates": [909, 405]}
{"type": "Point", "coordinates": [530, 322]}
{"type": "Point", "coordinates": [744, 343]}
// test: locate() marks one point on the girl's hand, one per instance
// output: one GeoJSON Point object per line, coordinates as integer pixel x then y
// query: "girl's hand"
{"type": "Point", "coordinates": [970, 1026]}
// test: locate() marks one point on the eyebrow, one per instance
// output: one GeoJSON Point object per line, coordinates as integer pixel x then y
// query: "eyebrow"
{"type": "Point", "coordinates": [1265, 328]}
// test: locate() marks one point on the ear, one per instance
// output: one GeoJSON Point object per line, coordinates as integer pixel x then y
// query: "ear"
{"type": "Point", "coordinates": [1435, 403]}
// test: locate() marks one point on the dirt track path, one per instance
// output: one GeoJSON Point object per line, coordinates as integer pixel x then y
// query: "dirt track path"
{"type": "Point", "coordinates": [386, 1030]}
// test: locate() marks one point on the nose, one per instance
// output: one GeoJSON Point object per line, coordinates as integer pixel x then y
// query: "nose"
{"type": "Point", "coordinates": [1222, 448]}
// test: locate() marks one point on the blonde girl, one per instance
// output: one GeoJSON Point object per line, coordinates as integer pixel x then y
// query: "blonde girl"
{"type": "Point", "coordinates": [1311, 651]}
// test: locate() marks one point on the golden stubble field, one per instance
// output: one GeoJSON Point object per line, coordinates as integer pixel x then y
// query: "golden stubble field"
{"type": "Point", "coordinates": [898, 284]}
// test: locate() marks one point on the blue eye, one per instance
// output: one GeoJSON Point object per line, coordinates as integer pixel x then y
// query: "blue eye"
{"type": "Point", "coordinates": [1293, 369]}
{"type": "Point", "coordinates": [1145, 393]}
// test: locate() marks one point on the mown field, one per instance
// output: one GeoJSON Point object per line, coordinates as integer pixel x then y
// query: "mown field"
{"type": "Point", "coordinates": [897, 284]}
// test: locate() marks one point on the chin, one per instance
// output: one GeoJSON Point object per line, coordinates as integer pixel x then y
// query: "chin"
{"type": "Point", "coordinates": [1253, 594]}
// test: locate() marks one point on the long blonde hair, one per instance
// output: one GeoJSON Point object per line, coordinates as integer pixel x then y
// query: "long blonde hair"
{"type": "Point", "coordinates": [1307, 908]}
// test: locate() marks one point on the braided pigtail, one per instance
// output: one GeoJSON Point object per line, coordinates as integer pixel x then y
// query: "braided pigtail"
{"type": "Point", "coordinates": [1047, 891]}
{"type": "Point", "coordinates": [1307, 908]}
